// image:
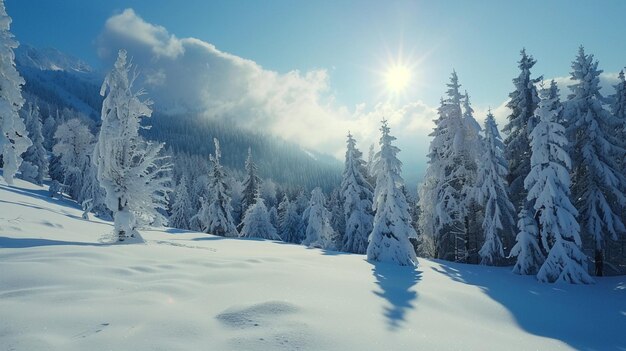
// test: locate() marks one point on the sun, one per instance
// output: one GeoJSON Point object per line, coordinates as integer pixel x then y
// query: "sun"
{"type": "Point", "coordinates": [398, 78]}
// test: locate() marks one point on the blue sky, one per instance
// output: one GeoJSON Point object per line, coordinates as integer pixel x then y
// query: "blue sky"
{"type": "Point", "coordinates": [354, 41]}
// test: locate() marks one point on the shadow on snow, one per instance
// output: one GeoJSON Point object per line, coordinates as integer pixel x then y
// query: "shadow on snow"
{"type": "Point", "coordinates": [15, 243]}
{"type": "Point", "coordinates": [558, 311]}
{"type": "Point", "coordinates": [397, 288]}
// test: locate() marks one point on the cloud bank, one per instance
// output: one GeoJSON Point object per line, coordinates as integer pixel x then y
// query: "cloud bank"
{"type": "Point", "coordinates": [188, 74]}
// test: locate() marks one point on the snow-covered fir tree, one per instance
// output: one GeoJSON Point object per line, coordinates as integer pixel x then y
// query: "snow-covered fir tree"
{"type": "Point", "coordinates": [356, 194]}
{"type": "Point", "coordinates": [215, 215]}
{"type": "Point", "coordinates": [337, 219]}
{"type": "Point", "coordinates": [273, 212]}
{"type": "Point", "coordinates": [14, 139]}
{"type": "Point", "coordinates": [598, 184]}
{"type": "Point", "coordinates": [319, 231]}
{"type": "Point", "coordinates": [257, 223]}
{"type": "Point", "coordinates": [34, 167]}
{"type": "Point", "coordinates": [492, 194]}
{"type": "Point", "coordinates": [446, 195]}
{"type": "Point", "coordinates": [289, 222]}
{"type": "Point", "coordinates": [251, 184]}
{"type": "Point", "coordinates": [371, 161]}
{"type": "Point", "coordinates": [74, 147]}
{"type": "Point", "coordinates": [130, 170]}
{"type": "Point", "coordinates": [548, 183]}
{"type": "Point", "coordinates": [268, 191]}
{"type": "Point", "coordinates": [92, 196]}
{"type": "Point", "coordinates": [618, 109]}
{"type": "Point", "coordinates": [389, 240]}
{"type": "Point", "coordinates": [520, 123]}
{"type": "Point", "coordinates": [48, 130]}
{"type": "Point", "coordinates": [181, 207]}
{"type": "Point", "coordinates": [527, 248]}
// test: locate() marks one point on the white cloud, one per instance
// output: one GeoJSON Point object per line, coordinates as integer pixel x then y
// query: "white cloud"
{"type": "Point", "coordinates": [298, 106]}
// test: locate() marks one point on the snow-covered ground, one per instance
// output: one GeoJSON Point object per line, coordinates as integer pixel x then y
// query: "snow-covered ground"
{"type": "Point", "coordinates": [63, 287]}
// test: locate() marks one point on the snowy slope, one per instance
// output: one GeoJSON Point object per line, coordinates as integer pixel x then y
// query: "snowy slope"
{"type": "Point", "coordinates": [62, 287]}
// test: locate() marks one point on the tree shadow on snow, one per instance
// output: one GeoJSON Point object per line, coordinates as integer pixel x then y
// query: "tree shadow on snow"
{"type": "Point", "coordinates": [20, 243]}
{"type": "Point", "coordinates": [559, 311]}
{"type": "Point", "coordinates": [396, 287]}
{"type": "Point", "coordinates": [41, 194]}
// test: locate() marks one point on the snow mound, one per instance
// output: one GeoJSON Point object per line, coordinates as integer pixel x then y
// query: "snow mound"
{"type": "Point", "coordinates": [64, 287]}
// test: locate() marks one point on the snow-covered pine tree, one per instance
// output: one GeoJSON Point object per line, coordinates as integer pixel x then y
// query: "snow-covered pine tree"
{"type": "Point", "coordinates": [389, 240]}
{"type": "Point", "coordinates": [130, 169]}
{"type": "Point", "coordinates": [356, 193]}
{"type": "Point", "coordinates": [527, 249]}
{"type": "Point", "coordinates": [548, 183]}
{"type": "Point", "coordinates": [492, 194]}
{"type": "Point", "coordinates": [470, 154]}
{"type": "Point", "coordinates": [215, 214]}
{"type": "Point", "coordinates": [48, 130]}
{"type": "Point", "coordinates": [521, 122]}
{"type": "Point", "coordinates": [257, 223]}
{"type": "Point", "coordinates": [92, 195]}
{"type": "Point", "coordinates": [319, 231]}
{"type": "Point", "coordinates": [598, 185]}
{"type": "Point", "coordinates": [446, 195]}
{"type": "Point", "coordinates": [289, 222]}
{"type": "Point", "coordinates": [337, 219]}
{"type": "Point", "coordinates": [14, 139]}
{"type": "Point", "coordinates": [371, 161]}
{"type": "Point", "coordinates": [273, 212]}
{"type": "Point", "coordinates": [555, 96]}
{"type": "Point", "coordinates": [251, 184]}
{"type": "Point", "coordinates": [34, 167]}
{"type": "Point", "coordinates": [181, 207]}
{"type": "Point", "coordinates": [74, 148]}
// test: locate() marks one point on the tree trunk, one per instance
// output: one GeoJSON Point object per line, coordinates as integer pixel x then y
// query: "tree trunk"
{"type": "Point", "coordinates": [599, 258]}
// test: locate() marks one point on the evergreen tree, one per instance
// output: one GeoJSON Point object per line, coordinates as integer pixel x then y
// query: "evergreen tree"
{"type": "Point", "coordinates": [527, 249]}
{"type": "Point", "coordinates": [273, 213]}
{"type": "Point", "coordinates": [289, 222]}
{"type": "Point", "coordinates": [92, 195]}
{"type": "Point", "coordinates": [74, 148]}
{"type": "Point", "coordinates": [548, 184]}
{"type": "Point", "coordinates": [492, 194]}
{"type": "Point", "coordinates": [446, 196]}
{"type": "Point", "coordinates": [251, 184]}
{"type": "Point", "coordinates": [389, 240]}
{"type": "Point", "coordinates": [215, 214]}
{"type": "Point", "coordinates": [48, 130]}
{"type": "Point", "coordinates": [181, 208]}
{"type": "Point", "coordinates": [129, 169]}
{"type": "Point", "coordinates": [371, 161]}
{"type": "Point", "coordinates": [598, 184]}
{"type": "Point", "coordinates": [319, 231]}
{"type": "Point", "coordinates": [34, 167]}
{"type": "Point", "coordinates": [521, 122]}
{"type": "Point", "coordinates": [356, 193]}
{"type": "Point", "coordinates": [14, 139]}
{"type": "Point", "coordinates": [256, 222]}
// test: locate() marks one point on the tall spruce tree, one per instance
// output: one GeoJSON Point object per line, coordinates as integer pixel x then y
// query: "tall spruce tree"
{"type": "Point", "coordinates": [319, 231]}
{"type": "Point", "coordinates": [548, 183]}
{"type": "Point", "coordinates": [14, 139]}
{"type": "Point", "coordinates": [598, 184]}
{"type": "Point", "coordinates": [215, 214]}
{"type": "Point", "coordinates": [356, 193]}
{"type": "Point", "coordinates": [251, 184]}
{"type": "Point", "coordinates": [289, 221]}
{"type": "Point", "coordinates": [492, 194]}
{"type": "Point", "coordinates": [181, 207]}
{"type": "Point", "coordinates": [446, 194]}
{"type": "Point", "coordinates": [392, 229]}
{"type": "Point", "coordinates": [130, 169]}
{"type": "Point", "coordinates": [521, 121]}
{"type": "Point", "coordinates": [34, 166]}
